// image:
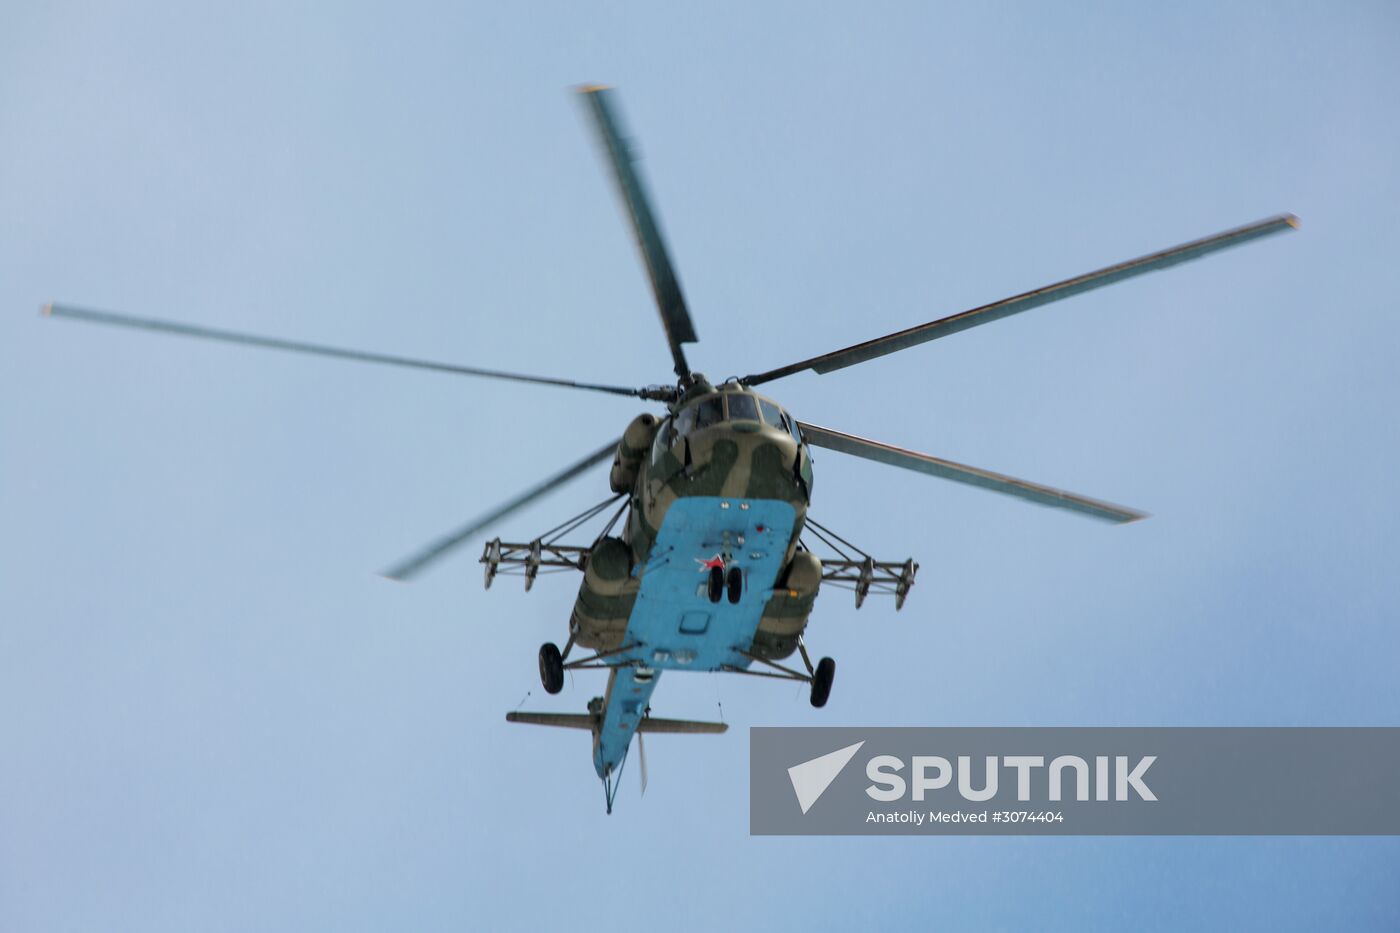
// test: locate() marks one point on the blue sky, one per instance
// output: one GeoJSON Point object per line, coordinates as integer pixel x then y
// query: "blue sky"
{"type": "Point", "coordinates": [215, 716]}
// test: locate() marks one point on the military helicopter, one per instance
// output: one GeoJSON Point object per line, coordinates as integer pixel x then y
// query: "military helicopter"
{"type": "Point", "coordinates": [709, 570]}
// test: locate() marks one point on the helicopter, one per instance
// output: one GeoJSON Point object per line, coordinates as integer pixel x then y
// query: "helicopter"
{"type": "Point", "coordinates": [705, 563]}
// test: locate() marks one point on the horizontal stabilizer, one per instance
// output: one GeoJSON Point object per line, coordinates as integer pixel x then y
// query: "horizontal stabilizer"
{"type": "Point", "coordinates": [682, 725]}
{"type": "Point", "coordinates": [589, 721]}
{"type": "Point", "coordinates": [563, 720]}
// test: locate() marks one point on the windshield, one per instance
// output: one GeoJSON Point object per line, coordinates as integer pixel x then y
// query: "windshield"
{"type": "Point", "coordinates": [742, 408]}
{"type": "Point", "coordinates": [730, 406]}
{"type": "Point", "coordinates": [709, 411]}
{"type": "Point", "coordinates": [772, 414]}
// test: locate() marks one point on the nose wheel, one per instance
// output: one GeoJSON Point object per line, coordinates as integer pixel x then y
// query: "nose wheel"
{"type": "Point", "coordinates": [722, 582]}
{"type": "Point", "coordinates": [715, 584]}
{"type": "Point", "coordinates": [551, 667]}
{"type": "Point", "coordinates": [735, 585]}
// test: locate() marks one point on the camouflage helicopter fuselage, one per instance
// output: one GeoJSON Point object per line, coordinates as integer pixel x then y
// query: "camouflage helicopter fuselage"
{"type": "Point", "coordinates": [723, 481]}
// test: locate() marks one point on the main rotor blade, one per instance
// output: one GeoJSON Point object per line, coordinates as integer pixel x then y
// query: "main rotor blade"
{"type": "Point", "coordinates": [960, 473]}
{"type": "Point", "coordinates": [664, 284]}
{"type": "Point", "coordinates": [275, 343]}
{"type": "Point", "coordinates": [902, 340]}
{"type": "Point", "coordinates": [411, 566]}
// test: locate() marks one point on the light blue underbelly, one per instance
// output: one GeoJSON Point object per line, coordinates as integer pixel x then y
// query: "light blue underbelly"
{"type": "Point", "coordinates": [673, 625]}
{"type": "Point", "coordinates": [673, 619]}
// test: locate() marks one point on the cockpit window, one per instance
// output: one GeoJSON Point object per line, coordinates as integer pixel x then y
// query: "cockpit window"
{"type": "Point", "coordinates": [742, 407]}
{"type": "Point", "coordinates": [709, 411]}
{"type": "Point", "coordinates": [664, 435]}
{"type": "Point", "coordinates": [685, 421]}
{"type": "Point", "coordinates": [772, 413]}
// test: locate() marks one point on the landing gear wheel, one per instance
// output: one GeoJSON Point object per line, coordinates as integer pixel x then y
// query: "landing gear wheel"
{"type": "Point", "coordinates": [716, 584]}
{"type": "Point", "coordinates": [551, 667]}
{"type": "Point", "coordinates": [736, 584]}
{"type": "Point", "coordinates": [821, 681]}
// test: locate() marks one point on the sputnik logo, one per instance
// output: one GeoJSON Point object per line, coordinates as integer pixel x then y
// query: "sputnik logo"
{"type": "Point", "coordinates": [811, 778]}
